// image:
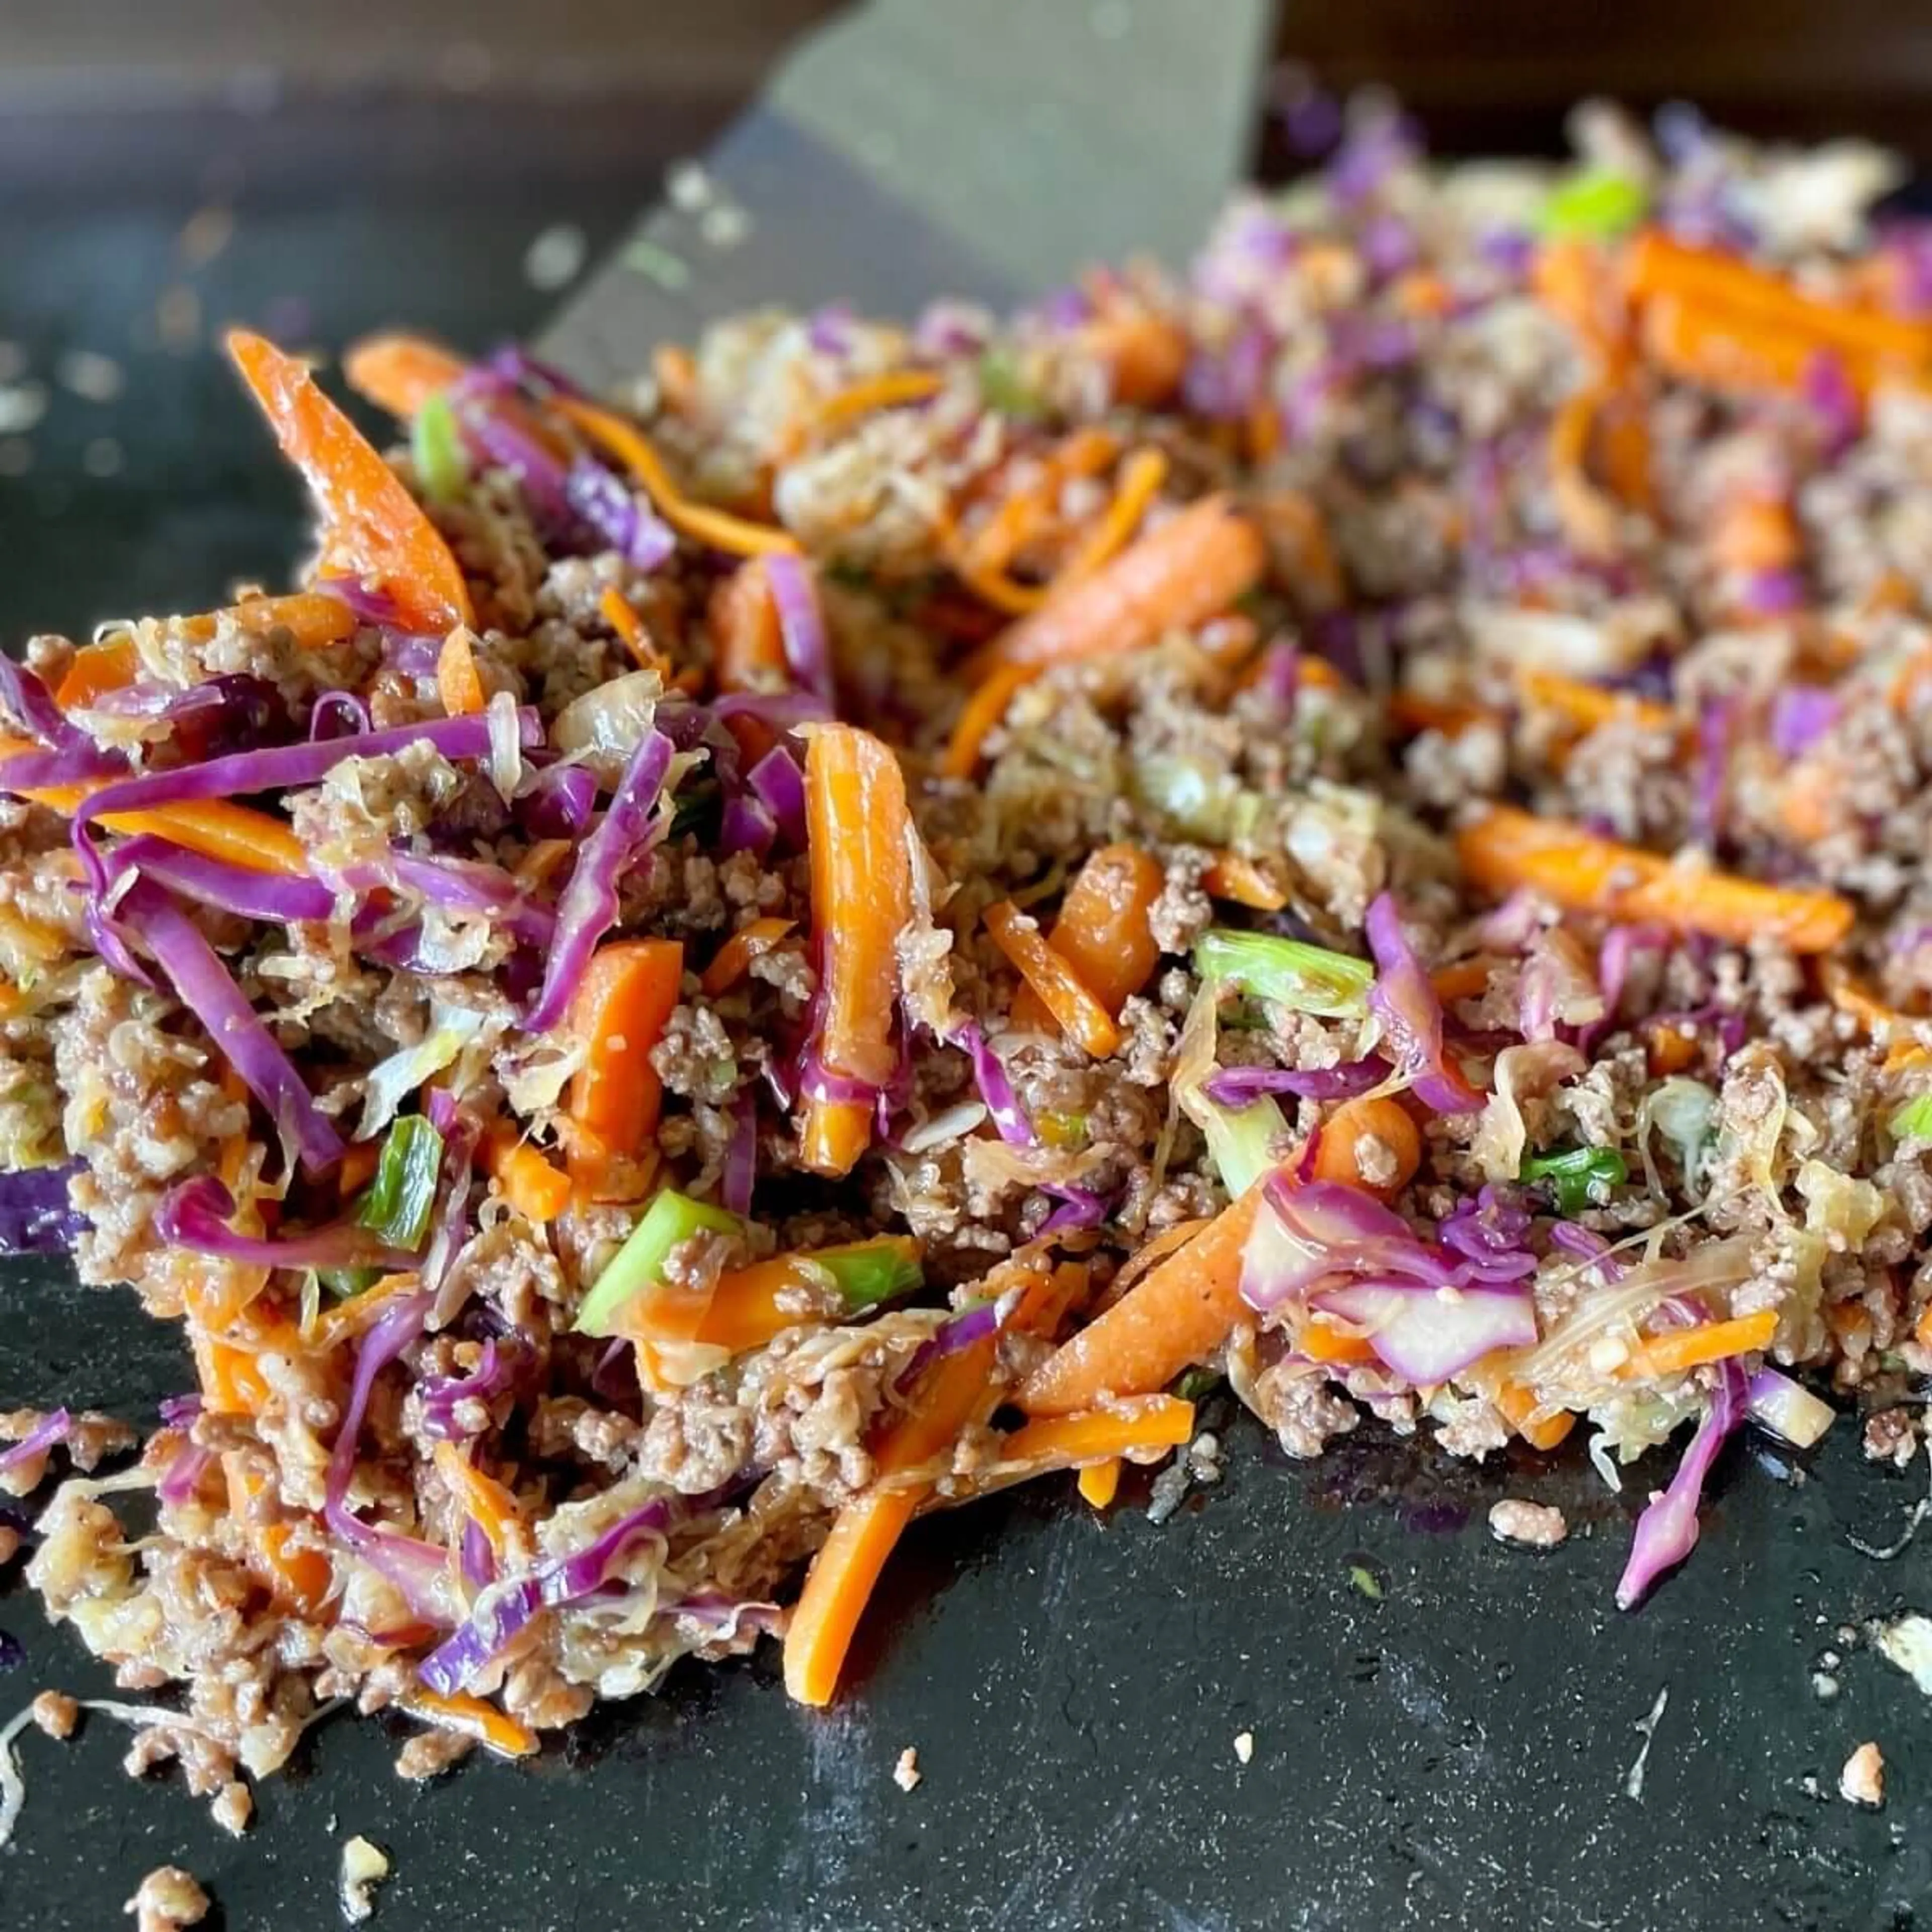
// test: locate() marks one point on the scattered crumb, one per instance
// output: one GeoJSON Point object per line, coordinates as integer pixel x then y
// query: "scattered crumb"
{"type": "Point", "coordinates": [1647, 1726]}
{"type": "Point", "coordinates": [555, 258]}
{"type": "Point", "coordinates": [1534, 1526]}
{"type": "Point", "coordinates": [168, 1899]}
{"type": "Point", "coordinates": [90, 376]}
{"type": "Point", "coordinates": [102, 456]}
{"type": "Point", "coordinates": [1169, 1488]}
{"type": "Point", "coordinates": [364, 1868]}
{"type": "Point", "coordinates": [1892, 1436]}
{"type": "Point", "coordinates": [1204, 1457]}
{"type": "Point", "coordinates": [1811, 1788]}
{"type": "Point", "coordinates": [1244, 1746]}
{"type": "Point", "coordinates": [56, 1714]}
{"type": "Point", "coordinates": [1862, 1780]}
{"type": "Point", "coordinates": [1365, 1581]}
{"type": "Point", "coordinates": [430, 1753]}
{"type": "Point", "coordinates": [1824, 1686]}
{"type": "Point", "coordinates": [10, 1543]}
{"type": "Point", "coordinates": [1907, 1641]}
{"type": "Point", "coordinates": [21, 406]}
{"type": "Point", "coordinates": [234, 1805]}
{"type": "Point", "coordinates": [906, 1774]}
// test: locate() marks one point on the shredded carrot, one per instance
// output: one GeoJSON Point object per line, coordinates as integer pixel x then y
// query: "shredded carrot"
{"type": "Point", "coordinates": [358, 1167]}
{"type": "Point", "coordinates": [1191, 568]}
{"type": "Point", "coordinates": [296, 1572]}
{"type": "Point", "coordinates": [629, 445]}
{"type": "Point", "coordinates": [843, 1573]}
{"type": "Point", "coordinates": [1922, 1329]}
{"type": "Point", "coordinates": [458, 683]}
{"type": "Point", "coordinates": [346, 1320]}
{"type": "Point", "coordinates": [1060, 988]}
{"type": "Point", "coordinates": [1624, 444]}
{"type": "Point", "coordinates": [621, 1008]}
{"type": "Point", "coordinates": [1141, 476]}
{"type": "Point", "coordinates": [535, 1186]}
{"type": "Point", "coordinates": [986, 706]}
{"type": "Point", "coordinates": [733, 960]}
{"type": "Point", "coordinates": [1451, 717]}
{"type": "Point", "coordinates": [399, 373]}
{"type": "Point", "coordinates": [1320, 1340]}
{"type": "Point", "coordinates": [485, 1501]}
{"type": "Point", "coordinates": [372, 527]}
{"type": "Point", "coordinates": [1519, 1408]}
{"type": "Point", "coordinates": [1569, 278]}
{"type": "Point", "coordinates": [746, 1307]}
{"type": "Point", "coordinates": [1176, 1314]}
{"type": "Point", "coordinates": [1586, 707]}
{"type": "Point", "coordinates": [1506, 848]}
{"type": "Point", "coordinates": [1754, 533]}
{"type": "Point", "coordinates": [1588, 519]}
{"type": "Point", "coordinates": [1298, 535]}
{"type": "Point", "coordinates": [314, 619]}
{"type": "Point", "coordinates": [1667, 1051]}
{"type": "Point", "coordinates": [1104, 929]}
{"type": "Point", "coordinates": [1376, 1118]}
{"type": "Point", "coordinates": [495, 1730]}
{"type": "Point", "coordinates": [1658, 266]}
{"type": "Point", "coordinates": [1023, 514]}
{"type": "Point", "coordinates": [231, 1384]}
{"type": "Point", "coordinates": [1152, 1423]}
{"type": "Point", "coordinates": [1669, 1354]}
{"type": "Point", "coordinates": [1849, 994]}
{"type": "Point", "coordinates": [110, 665]}
{"type": "Point", "coordinates": [1465, 979]}
{"type": "Point", "coordinates": [893, 389]}
{"type": "Point", "coordinates": [860, 835]}
{"type": "Point", "coordinates": [1147, 354]}
{"type": "Point", "coordinates": [1232, 877]}
{"type": "Point", "coordinates": [1098, 1482]}
{"type": "Point", "coordinates": [623, 619]}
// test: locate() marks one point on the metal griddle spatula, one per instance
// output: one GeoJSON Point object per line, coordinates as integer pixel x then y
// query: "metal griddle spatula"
{"type": "Point", "coordinates": [982, 149]}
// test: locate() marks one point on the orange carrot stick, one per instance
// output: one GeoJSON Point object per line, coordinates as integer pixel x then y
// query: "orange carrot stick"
{"type": "Point", "coordinates": [1146, 353]}
{"type": "Point", "coordinates": [1373, 1118]}
{"type": "Point", "coordinates": [1411, 712]}
{"type": "Point", "coordinates": [1684, 1349]}
{"type": "Point", "coordinates": [1587, 707]}
{"type": "Point", "coordinates": [623, 619]}
{"type": "Point", "coordinates": [1588, 519]}
{"type": "Point", "coordinates": [1191, 568]}
{"type": "Point", "coordinates": [494, 1509]}
{"type": "Point", "coordinates": [495, 1730]}
{"type": "Point", "coordinates": [374, 528]}
{"type": "Point", "coordinates": [1174, 1315]}
{"type": "Point", "coordinates": [843, 1573]}
{"type": "Point", "coordinates": [892, 389]}
{"type": "Point", "coordinates": [1103, 930]}
{"type": "Point", "coordinates": [1153, 1422]}
{"type": "Point", "coordinates": [859, 829]}
{"type": "Point", "coordinates": [1723, 349]}
{"type": "Point", "coordinates": [399, 373]}
{"type": "Point", "coordinates": [620, 1012]}
{"type": "Point", "coordinates": [1232, 877]}
{"type": "Point", "coordinates": [1141, 476]}
{"type": "Point", "coordinates": [986, 706]}
{"type": "Point", "coordinates": [1082, 1016]}
{"type": "Point", "coordinates": [458, 683]}
{"type": "Point", "coordinates": [629, 445]}
{"type": "Point", "coordinates": [1518, 1410]}
{"type": "Point", "coordinates": [1321, 1341]}
{"type": "Point", "coordinates": [1506, 848]}
{"type": "Point", "coordinates": [110, 665]}
{"type": "Point", "coordinates": [1658, 266]}
{"type": "Point", "coordinates": [745, 1309]}
{"type": "Point", "coordinates": [1100, 1482]}
{"type": "Point", "coordinates": [535, 1187]}
{"type": "Point", "coordinates": [733, 960]}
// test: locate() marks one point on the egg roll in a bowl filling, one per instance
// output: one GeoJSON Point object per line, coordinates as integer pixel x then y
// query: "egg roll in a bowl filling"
{"type": "Point", "coordinates": [870, 919]}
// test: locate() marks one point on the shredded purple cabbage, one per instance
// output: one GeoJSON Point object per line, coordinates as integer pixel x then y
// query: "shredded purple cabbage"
{"type": "Point", "coordinates": [588, 907]}
{"type": "Point", "coordinates": [1667, 1532]}
{"type": "Point", "coordinates": [801, 623]}
{"type": "Point", "coordinates": [740, 1175]}
{"type": "Point", "coordinates": [182, 1478]}
{"type": "Point", "coordinates": [745, 825]}
{"type": "Point", "coordinates": [49, 1432]}
{"type": "Point", "coordinates": [559, 801]}
{"type": "Point", "coordinates": [622, 518]}
{"type": "Point", "coordinates": [241, 889]}
{"type": "Point", "coordinates": [35, 1217]}
{"type": "Point", "coordinates": [779, 786]}
{"type": "Point", "coordinates": [1079, 1207]}
{"type": "Point", "coordinates": [496, 1371]}
{"type": "Point", "coordinates": [989, 1075]}
{"type": "Point", "coordinates": [205, 986]}
{"type": "Point", "coordinates": [1238, 1086]}
{"type": "Point", "coordinates": [1403, 999]}
{"type": "Point", "coordinates": [194, 1215]}
{"type": "Point", "coordinates": [1800, 714]}
{"type": "Point", "coordinates": [1717, 721]}
{"type": "Point", "coordinates": [337, 714]}
{"type": "Point", "coordinates": [24, 696]}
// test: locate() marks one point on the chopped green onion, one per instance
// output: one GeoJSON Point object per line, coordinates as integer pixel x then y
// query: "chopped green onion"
{"type": "Point", "coordinates": [1913, 1121]}
{"type": "Point", "coordinates": [343, 1283]}
{"type": "Point", "coordinates": [1243, 1141]}
{"type": "Point", "coordinates": [1198, 1383]}
{"type": "Point", "coordinates": [867, 1273]}
{"type": "Point", "coordinates": [1598, 204]}
{"type": "Point", "coordinates": [1067, 1132]}
{"type": "Point", "coordinates": [437, 449]}
{"type": "Point", "coordinates": [1579, 1177]}
{"type": "Point", "coordinates": [1004, 388]}
{"type": "Point", "coordinates": [670, 1220]}
{"type": "Point", "coordinates": [1305, 978]}
{"type": "Point", "coordinates": [1367, 1583]}
{"type": "Point", "coordinates": [402, 1197]}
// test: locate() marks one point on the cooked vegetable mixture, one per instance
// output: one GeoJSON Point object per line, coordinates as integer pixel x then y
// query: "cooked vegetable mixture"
{"type": "Point", "coordinates": [858, 926]}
